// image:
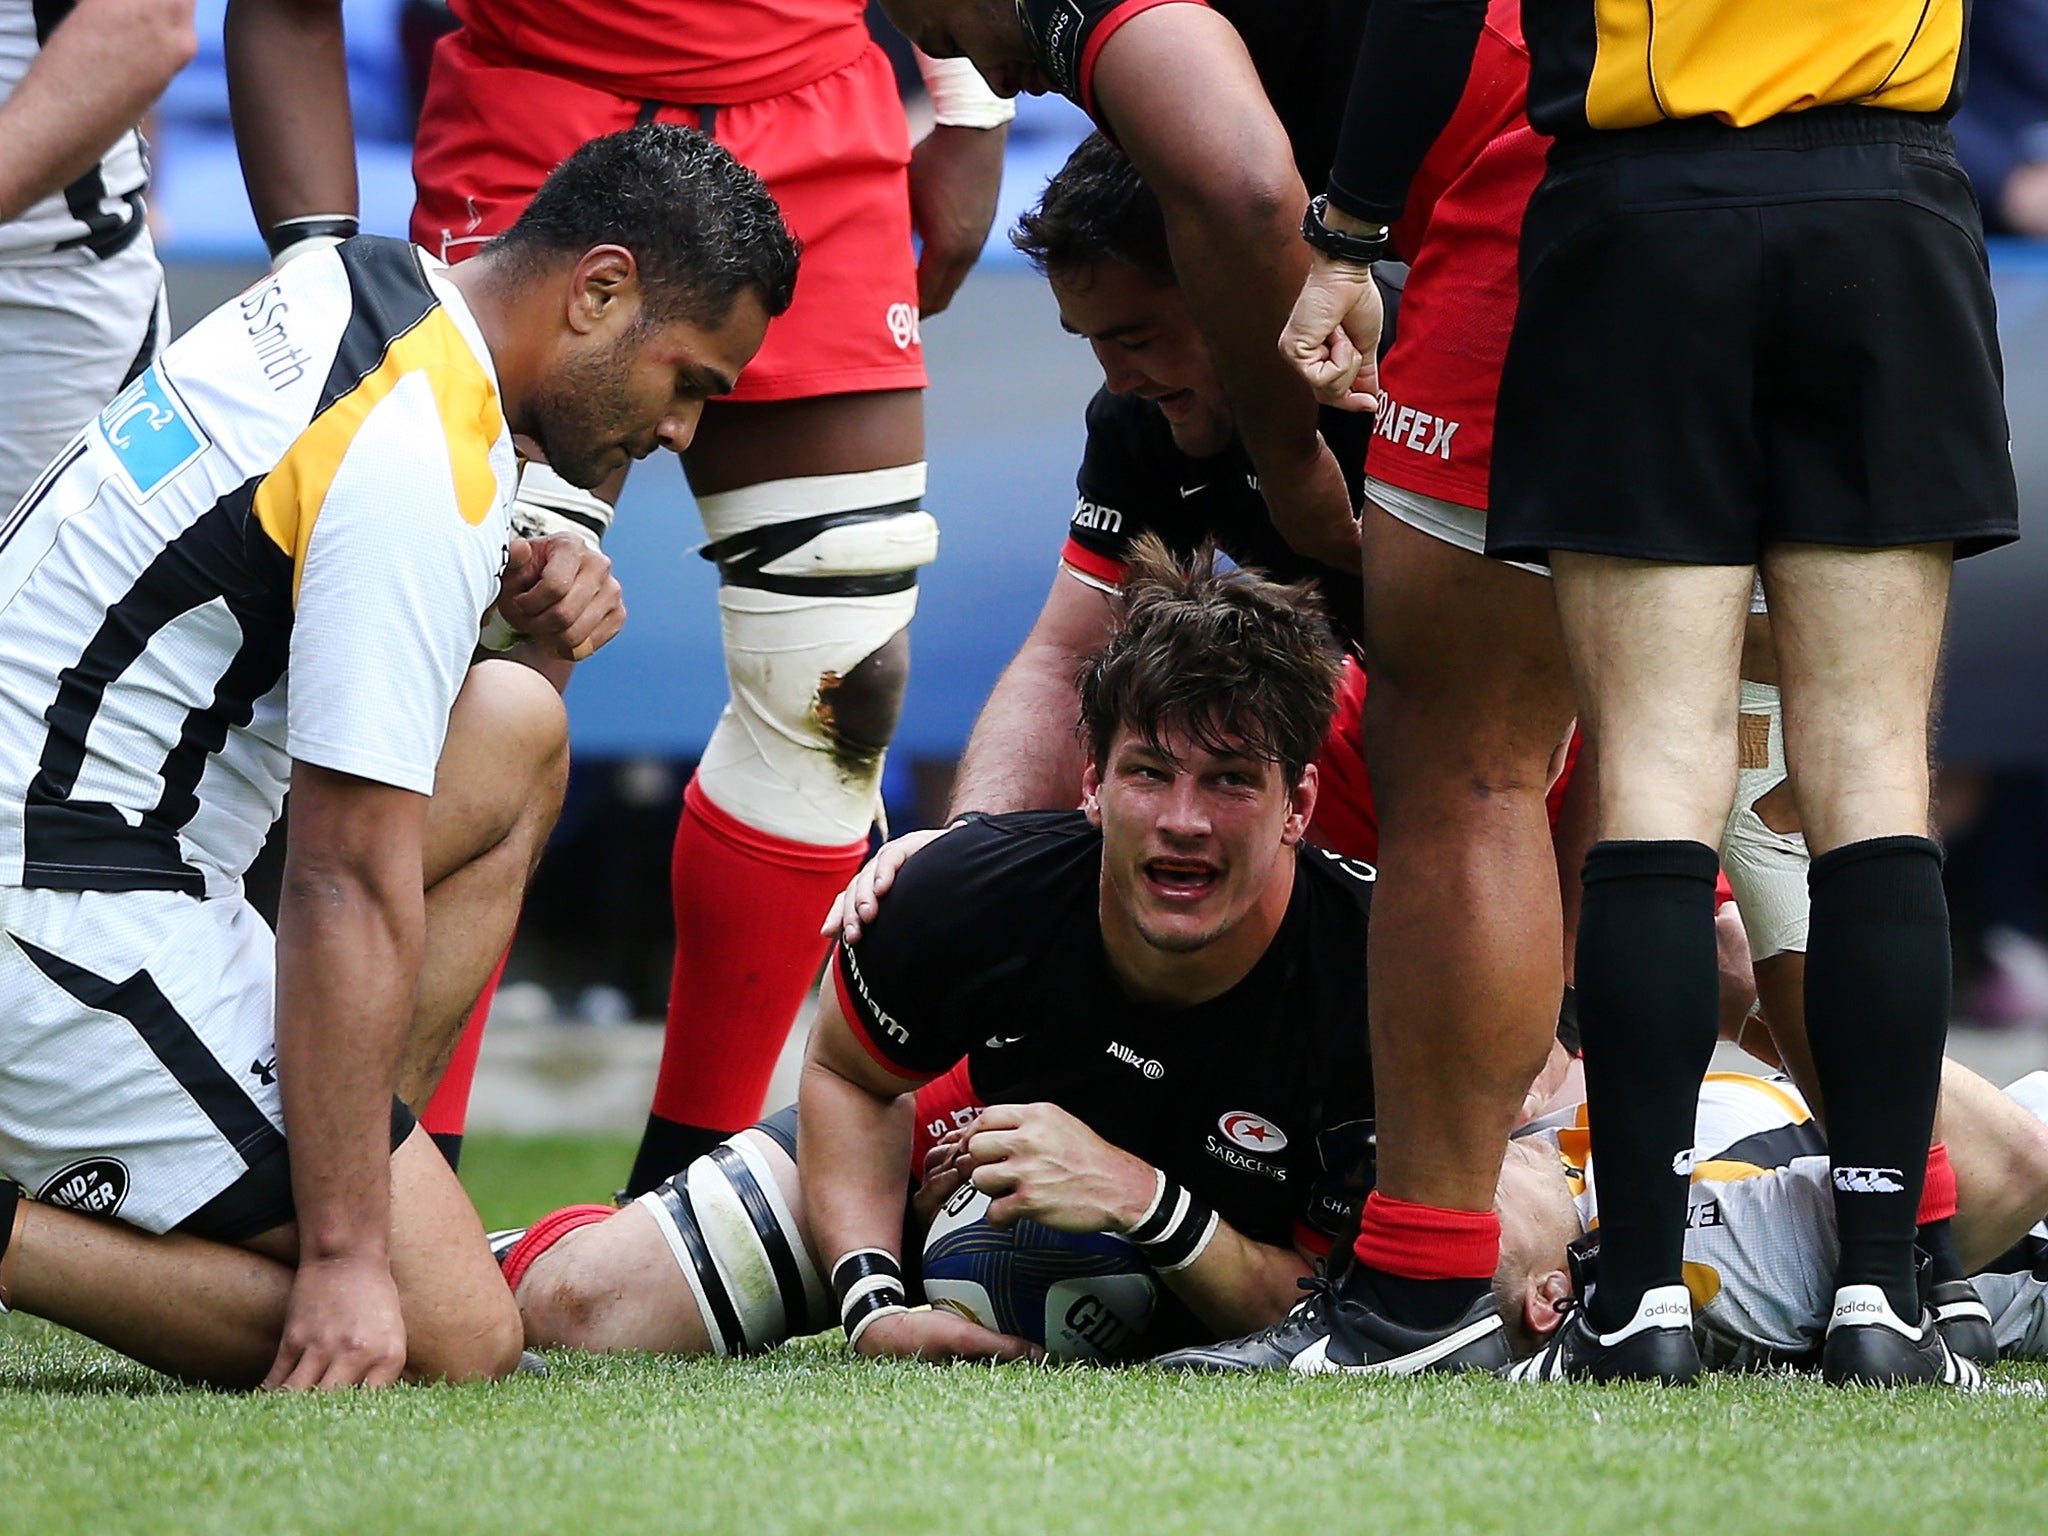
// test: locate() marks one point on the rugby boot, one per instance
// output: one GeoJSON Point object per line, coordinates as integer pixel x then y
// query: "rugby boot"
{"type": "Point", "coordinates": [1338, 1329]}
{"type": "Point", "coordinates": [1870, 1345]}
{"type": "Point", "coordinates": [1654, 1345]}
{"type": "Point", "coordinates": [1964, 1321]}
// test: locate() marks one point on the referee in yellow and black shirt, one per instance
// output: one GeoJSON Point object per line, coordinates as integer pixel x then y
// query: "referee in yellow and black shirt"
{"type": "Point", "coordinates": [1755, 331]}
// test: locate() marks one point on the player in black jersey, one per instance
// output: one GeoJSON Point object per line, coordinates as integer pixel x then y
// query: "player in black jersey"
{"type": "Point", "coordinates": [1163, 456]}
{"type": "Point", "coordinates": [1160, 998]}
{"type": "Point", "coordinates": [1176, 88]}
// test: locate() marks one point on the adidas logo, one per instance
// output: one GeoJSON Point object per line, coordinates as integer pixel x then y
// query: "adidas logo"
{"type": "Point", "coordinates": [1870, 1181]}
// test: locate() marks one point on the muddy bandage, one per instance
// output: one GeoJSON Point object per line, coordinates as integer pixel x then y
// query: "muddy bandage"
{"type": "Point", "coordinates": [817, 575]}
{"type": "Point", "coordinates": [1766, 869]}
{"type": "Point", "coordinates": [738, 1246]}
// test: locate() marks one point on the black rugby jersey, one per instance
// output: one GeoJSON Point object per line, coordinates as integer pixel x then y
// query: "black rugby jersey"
{"type": "Point", "coordinates": [1134, 480]}
{"type": "Point", "coordinates": [1259, 1101]}
{"type": "Point", "coordinates": [1302, 49]}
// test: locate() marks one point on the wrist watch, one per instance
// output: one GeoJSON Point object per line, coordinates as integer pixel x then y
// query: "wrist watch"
{"type": "Point", "coordinates": [1339, 245]}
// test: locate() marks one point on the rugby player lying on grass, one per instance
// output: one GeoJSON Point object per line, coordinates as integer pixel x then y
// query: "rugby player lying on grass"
{"type": "Point", "coordinates": [1760, 1230]}
{"type": "Point", "coordinates": [264, 567]}
{"type": "Point", "coordinates": [1128, 984]}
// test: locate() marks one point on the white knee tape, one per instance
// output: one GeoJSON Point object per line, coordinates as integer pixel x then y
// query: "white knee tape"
{"type": "Point", "coordinates": [1766, 869]}
{"type": "Point", "coordinates": [737, 1244]}
{"type": "Point", "coordinates": [819, 574]}
{"type": "Point", "coordinates": [547, 504]}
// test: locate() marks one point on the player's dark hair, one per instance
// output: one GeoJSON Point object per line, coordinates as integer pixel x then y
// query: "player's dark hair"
{"type": "Point", "coordinates": [1228, 658]}
{"type": "Point", "coordinates": [700, 225]}
{"type": "Point", "coordinates": [1096, 208]}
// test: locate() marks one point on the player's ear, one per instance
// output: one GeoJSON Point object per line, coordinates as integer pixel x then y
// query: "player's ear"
{"type": "Point", "coordinates": [1301, 806]}
{"type": "Point", "coordinates": [1544, 1304]}
{"type": "Point", "coordinates": [1091, 793]}
{"type": "Point", "coordinates": [604, 288]}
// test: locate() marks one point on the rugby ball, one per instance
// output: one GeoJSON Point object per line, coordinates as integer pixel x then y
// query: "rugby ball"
{"type": "Point", "coordinates": [1082, 1295]}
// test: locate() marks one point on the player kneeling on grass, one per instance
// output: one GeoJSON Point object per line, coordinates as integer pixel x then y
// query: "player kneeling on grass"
{"type": "Point", "coordinates": [1160, 998]}
{"type": "Point", "coordinates": [264, 566]}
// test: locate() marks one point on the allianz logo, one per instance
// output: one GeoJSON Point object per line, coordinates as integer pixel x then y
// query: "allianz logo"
{"type": "Point", "coordinates": [1153, 1070]}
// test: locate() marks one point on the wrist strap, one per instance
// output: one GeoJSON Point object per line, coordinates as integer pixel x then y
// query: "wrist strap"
{"type": "Point", "coordinates": [1175, 1229]}
{"type": "Point", "coordinates": [289, 238]}
{"type": "Point", "coordinates": [960, 97]}
{"type": "Point", "coordinates": [868, 1283]}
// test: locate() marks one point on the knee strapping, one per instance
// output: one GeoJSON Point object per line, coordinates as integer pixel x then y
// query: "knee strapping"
{"type": "Point", "coordinates": [737, 1244]}
{"type": "Point", "coordinates": [1766, 869]}
{"type": "Point", "coordinates": [547, 505]}
{"type": "Point", "coordinates": [817, 576]}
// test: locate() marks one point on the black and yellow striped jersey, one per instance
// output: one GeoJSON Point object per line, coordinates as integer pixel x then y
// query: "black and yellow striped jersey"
{"type": "Point", "coordinates": [1600, 64]}
{"type": "Point", "coordinates": [274, 546]}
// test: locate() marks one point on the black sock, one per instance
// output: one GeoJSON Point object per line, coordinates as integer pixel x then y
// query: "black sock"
{"type": "Point", "coordinates": [1938, 1243]}
{"type": "Point", "coordinates": [1419, 1303]}
{"type": "Point", "coordinates": [1648, 980]}
{"type": "Point", "coordinates": [667, 1147]}
{"type": "Point", "coordinates": [1877, 1001]}
{"type": "Point", "coordinates": [450, 1143]}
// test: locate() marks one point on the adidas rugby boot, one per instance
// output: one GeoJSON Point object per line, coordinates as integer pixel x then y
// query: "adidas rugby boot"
{"type": "Point", "coordinates": [1964, 1321]}
{"type": "Point", "coordinates": [1338, 1329]}
{"type": "Point", "coordinates": [1870, 1345]}
{"type": "Point", "coordinates": [1655, 1345]}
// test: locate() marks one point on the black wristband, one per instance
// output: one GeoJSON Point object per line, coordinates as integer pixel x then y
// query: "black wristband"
{"type": "Point", "coordinates": [1340, 245]}
{"type": "Point", "coordinates": [289, 232]}
{"type": "Point", "coordinates": [867, 1282]}
{"type": "Point", "coordinates": [1174, 1229]}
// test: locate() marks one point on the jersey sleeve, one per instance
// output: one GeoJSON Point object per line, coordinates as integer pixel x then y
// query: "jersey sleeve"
{"type": "Point", "coordinates": [1410, 75]}
{"type": "Point", "coordinates": [897, 986]}
{"type": "Point", "coordinates": [1122, 492]}
{"type": "Point", "coordinates": [396, 565]}
{"type": "Point", "coordinates": [1066, 36]}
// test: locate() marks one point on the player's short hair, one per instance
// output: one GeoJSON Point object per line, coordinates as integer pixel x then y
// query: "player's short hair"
{"type": "Point", "coordinates": [700, 225]}
{"type": "Point", "coordinates": [1096, 208]}
{"type": "Point", "coordinates": [1228, 658]}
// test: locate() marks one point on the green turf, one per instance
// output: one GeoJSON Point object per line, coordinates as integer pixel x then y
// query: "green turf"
{"type": "Point", "coordinates": [805, 1440]}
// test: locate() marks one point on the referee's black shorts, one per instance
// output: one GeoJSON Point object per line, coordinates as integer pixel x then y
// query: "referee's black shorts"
{"type": "Point", "coordinates": [1733, 337]}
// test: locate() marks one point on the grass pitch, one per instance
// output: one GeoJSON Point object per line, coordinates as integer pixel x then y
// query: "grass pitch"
{"type": "Point", "coordinates": [806, 1440]}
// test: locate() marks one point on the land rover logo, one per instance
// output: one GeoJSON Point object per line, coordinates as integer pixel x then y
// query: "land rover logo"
{"type": "Point", "coordinates": [94, 1185]}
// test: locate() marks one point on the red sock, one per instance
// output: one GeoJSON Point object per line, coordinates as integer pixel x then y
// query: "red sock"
{"type": "Point", "coordinates": [1938, 1194]}
{"type": "Point", "coordinates": [544, 1234]}
{"type": "Point", "coordinates": [747, 905]}
{"type": "Point", "coordinates": [447, 1112]}
{"type": "Point", "coordinates": [1427, 1242]}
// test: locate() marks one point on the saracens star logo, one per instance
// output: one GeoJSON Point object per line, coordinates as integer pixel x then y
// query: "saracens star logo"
{"type": "Point", "coordinates": [1254, 1132]}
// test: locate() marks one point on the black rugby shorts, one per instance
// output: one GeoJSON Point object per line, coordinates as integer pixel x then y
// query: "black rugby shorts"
{"type": "Point", "coordinates": [1734, 337]}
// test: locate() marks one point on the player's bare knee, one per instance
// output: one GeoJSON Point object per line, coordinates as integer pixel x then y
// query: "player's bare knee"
{"type": "Point", "coordinates": [480, 1341]}
{"type": "Point", "coordinates": [561, 1302]}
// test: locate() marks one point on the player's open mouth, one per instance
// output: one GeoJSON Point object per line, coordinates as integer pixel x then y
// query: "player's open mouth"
{"type": "Point", "coordinates": [1181, 879]}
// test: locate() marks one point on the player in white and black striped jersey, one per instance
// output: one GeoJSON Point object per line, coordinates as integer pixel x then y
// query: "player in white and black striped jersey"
{"type": "Point", "coordinates": [81, 292]}
{"type": "Point", "coordinates": [1760, 1240]}
{"type": "Point", "coordinates": [263, 565]}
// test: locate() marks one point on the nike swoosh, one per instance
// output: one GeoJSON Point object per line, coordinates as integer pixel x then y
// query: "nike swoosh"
{"type": "Point", "coordinates": [997, 1042]}
{"type": "Point", "coordinates": [1191, 490]}
{"type": "Point", "coordinates": [1316, 1361]}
